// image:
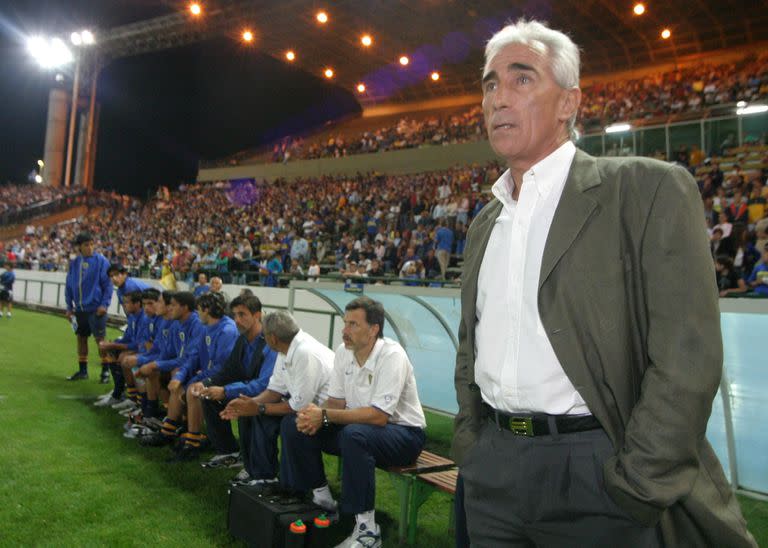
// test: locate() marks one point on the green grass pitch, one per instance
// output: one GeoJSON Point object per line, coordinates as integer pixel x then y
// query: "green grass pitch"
{"type": "Point", "coordinates": [71, 479]}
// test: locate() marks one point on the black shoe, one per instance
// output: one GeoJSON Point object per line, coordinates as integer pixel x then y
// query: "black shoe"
{"type": "Point", "coordinates": [155, 439]}
{"type": "Point", "coordinates": [104, 377]}
{"type": "Point", "coordinates": [78, 376]}
{"type": "Point", "coordinates": [186, 454]}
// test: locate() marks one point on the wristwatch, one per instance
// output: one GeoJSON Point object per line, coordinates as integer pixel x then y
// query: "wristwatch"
{"type": "Point", "coordinates": [262, 409]}
{"type": "Point", "coordinates": [326, 422]}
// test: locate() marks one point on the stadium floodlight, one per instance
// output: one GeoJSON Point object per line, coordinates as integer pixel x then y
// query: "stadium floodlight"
{"type": "Point", "coordinates": [195, 9]}
{"type": "Point", "coordinates": [322, 17]}
{"type": "Point", "coordinates": [639, 8]}
{"type": "Point", "coordinates": [404, 60]}
{"type": "Point", "coordinates": [366, 40]}
{"type": "Point", "coordinates": [328, 73]}
{"type": "Point", "coordinates": [50, 53]}
{"type": "Point", "coordinates": [751, 109]}
{"type": "Point", "coordinates": [290, 55]}
{"type": "Point", "coordinates": [435, 76]}
{"type": "Point", "coordinates": [40, 163]}
{"type": "Point", "coordinates": [82, 38]}
{"type": "Point", "coordinates": [618, 128]}
{"type": "Point", "coordinates": [247, 36]}
{"type": "Point", "coordinates": [361, 87]}
{"type": "Point", "coordinates": [38, 178]}
{"type": "Point", "coordinates": [666, 33]}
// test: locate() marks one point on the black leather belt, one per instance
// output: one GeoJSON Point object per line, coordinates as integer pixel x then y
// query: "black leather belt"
{"type": "Point", "coordinates": [539, 425]}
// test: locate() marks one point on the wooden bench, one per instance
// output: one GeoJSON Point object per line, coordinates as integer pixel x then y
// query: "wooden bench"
{"type": "Point", "coordinates": [410, 495]}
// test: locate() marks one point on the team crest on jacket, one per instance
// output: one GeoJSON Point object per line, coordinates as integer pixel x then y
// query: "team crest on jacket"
{"type": "Point", "coordinates": [85, 265]}
{"type": "Point", "coordinates": [181, 336]}
{"type": "Point", "coordinates": [207, 340]}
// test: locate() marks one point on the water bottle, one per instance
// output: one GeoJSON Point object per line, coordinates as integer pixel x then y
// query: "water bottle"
{"type": "Point", "coordinates": [73, 321]}
{"type": "Point", "coordinates": [297, 534]}
{"type": "Point", "coordinates": [139, 381]}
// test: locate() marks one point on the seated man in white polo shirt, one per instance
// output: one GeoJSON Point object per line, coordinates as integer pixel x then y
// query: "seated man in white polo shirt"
{"type": "Point", "coordinates": [372, 417]}
{"type": "Point", "coordinates": [301, 376]}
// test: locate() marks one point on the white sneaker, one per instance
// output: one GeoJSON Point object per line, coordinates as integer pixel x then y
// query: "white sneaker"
{"type": "Point", "coordinates": [328, 505]}
{"type": "Point", "coordinates": [256, 482]}
{"type": "Point", "coordinates": [104, 403]}
{"type": "Point", "coordinates": [136, 431]}
{"type": "Point", "coordinates": [124, 404]}
{"type": "Point", "coordinates": [230, 460]}
{"type": "Point", "coordinates": [102, 398]}
{"type": "Point", "coordinates": [362, 537]}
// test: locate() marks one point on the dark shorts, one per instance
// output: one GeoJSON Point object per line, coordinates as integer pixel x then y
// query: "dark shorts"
{"type": "Point", "coordinates": [89, 323]}
{"type": "Point", "coordinates": [6, 296]}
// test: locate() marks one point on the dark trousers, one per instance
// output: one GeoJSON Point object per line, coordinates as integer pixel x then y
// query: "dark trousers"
{"type": "Point", "coordinates": [258, 440]}
{"type": "Point", "coordinates": [219, 431]}
{"type": "Point", "coordinates": [545, 491]}
{"type": "Point", "coordinates": [361, 446]}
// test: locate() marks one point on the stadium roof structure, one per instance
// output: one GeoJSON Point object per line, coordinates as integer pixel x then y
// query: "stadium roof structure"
{"type": "Point", "coordinates": [447, 36]}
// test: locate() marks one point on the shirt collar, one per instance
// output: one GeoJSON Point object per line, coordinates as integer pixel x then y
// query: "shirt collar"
{"type": "Point", "coordinates": [544, 175]}
{"type": "Point", "coordinates": [370, 363]}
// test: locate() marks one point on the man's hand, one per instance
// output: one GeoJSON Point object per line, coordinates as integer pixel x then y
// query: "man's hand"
{"type": "Point", "coordinates": [174, 385]}
{"type": "Point", "coordinates": [69, 315]}
{"type": "Point", "coordinates": [215, 393]}
{"type": "Point", "coordinates": [242, 406]}
{"type": "Point", "coordinates": [309, 420]}
{"type": "Point", "coordinates": [101, 311]}
{"type": "Point", "coordinates": [196, 389]}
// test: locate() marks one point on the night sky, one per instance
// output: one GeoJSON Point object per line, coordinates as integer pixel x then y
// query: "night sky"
{"type": "Point", "coordinates": [160, 112]}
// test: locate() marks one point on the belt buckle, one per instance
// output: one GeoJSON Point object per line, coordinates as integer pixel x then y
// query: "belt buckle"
{"type": "Point", "coordinates": [521, 426]}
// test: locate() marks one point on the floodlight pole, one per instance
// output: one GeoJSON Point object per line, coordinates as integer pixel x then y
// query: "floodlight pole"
{"type": "Point", "coordinates": [89, 162]}
{"type": "Point", "coordinates": [72, 118]}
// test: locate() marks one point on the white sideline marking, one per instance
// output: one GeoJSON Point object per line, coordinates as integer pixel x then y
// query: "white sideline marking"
{"type": "Point", "coordinates": [74, 397]}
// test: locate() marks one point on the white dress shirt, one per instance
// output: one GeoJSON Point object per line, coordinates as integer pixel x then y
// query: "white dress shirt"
{"type": "Point", "coordinates": [515, 366]}
{"type": "Point", "coordinates": [304, 372]}
{"type": "Point", "coordinates": [385, 381]}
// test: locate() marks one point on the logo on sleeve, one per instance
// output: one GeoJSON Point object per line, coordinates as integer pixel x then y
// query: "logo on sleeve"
{"type": "Point", "coordinates": [207, 340]}
{"type": "Point", "coordinates": [388, 398]}
{"type": "Point", "coordinates": [181, 336]}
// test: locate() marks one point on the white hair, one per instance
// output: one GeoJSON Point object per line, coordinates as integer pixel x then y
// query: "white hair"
{"type": "Point", "coordinates": [562, 53]}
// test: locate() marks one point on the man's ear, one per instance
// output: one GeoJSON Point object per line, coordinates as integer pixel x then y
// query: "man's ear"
{"type": "Point", "coordinates": [569, 104]}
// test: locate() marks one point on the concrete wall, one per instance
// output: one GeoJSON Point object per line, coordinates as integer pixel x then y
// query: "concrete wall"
{"type": "Point", "coordinates": [415, 160]}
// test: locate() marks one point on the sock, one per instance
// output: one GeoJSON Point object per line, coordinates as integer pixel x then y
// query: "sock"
{"type": "Point", "coordinates": [323, 497]}
{"type": "Point", "coordinates": [151, 409]}
{"type": "Point", "coordinates": [118, 379]}
{"type": "Point", "coordinates": [170, 427]}
{"type": "Point", "coordinates": [83, 363]}
{"type": "Point", "coordinates": [193, 439]}
{"type": "Point", "coordinates": [366, 521]}
{"type": "Point", "coordinates": [132, 393]}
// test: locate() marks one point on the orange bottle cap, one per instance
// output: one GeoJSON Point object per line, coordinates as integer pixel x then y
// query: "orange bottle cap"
{"type": "Point", "coordinates": [298, 527]}
{"type": "Point", "coordinates": [322, 521]}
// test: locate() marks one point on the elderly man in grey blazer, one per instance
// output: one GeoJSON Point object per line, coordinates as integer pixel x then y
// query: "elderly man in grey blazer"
{"type": "Point", "coordinates": [590, 348]}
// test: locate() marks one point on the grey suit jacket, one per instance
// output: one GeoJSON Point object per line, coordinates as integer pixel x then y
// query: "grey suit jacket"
{"type": "Point", "coordinates": [628, 300]}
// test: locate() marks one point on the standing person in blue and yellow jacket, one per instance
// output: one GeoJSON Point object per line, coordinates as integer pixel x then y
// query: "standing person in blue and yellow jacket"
{"type": "Point", "coordinates": [88, 293]}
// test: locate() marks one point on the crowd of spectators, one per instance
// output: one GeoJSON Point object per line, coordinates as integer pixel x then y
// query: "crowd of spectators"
{"type": "Point", "coordinates": [686, 90]}
{"type": "Point", "coordinates": [406, 133]}
{"type": "Point", "coordinates": [689, 89]}
{"type": "Point", "coordinates": [365, 226]}
{"type": "Point", "coordinates": [15, 198]}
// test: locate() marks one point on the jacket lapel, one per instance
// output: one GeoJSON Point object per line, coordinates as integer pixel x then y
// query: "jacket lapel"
{"type": "Point", "coordinates": [572, 212]}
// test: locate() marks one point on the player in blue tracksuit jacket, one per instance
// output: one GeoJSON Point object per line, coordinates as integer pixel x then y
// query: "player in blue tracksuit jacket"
{"type": "Point", "coordinates": [184, 343]}
{"type": "Point", "coordinates": [135, 335]}
{"type": "Point", "coordinates": [221, 334]}
{"type": "Point", "coordinates": [88, 293]}
{"type": "Point", "coordinates": [6, 290]}
{"type": "Point", "coordinates": [154, 347]}
{"type": "Point", "coordinates": [124, 283]}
